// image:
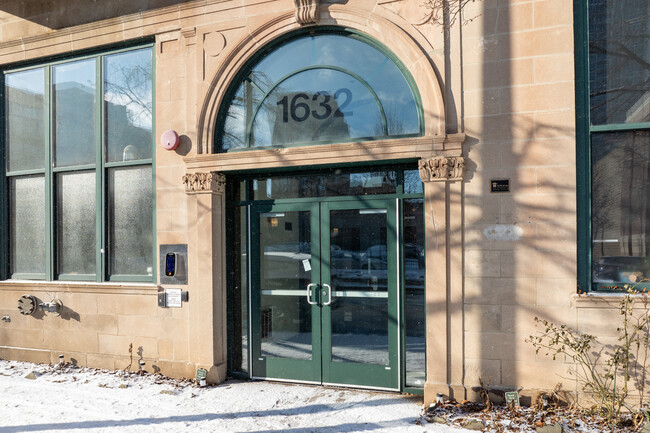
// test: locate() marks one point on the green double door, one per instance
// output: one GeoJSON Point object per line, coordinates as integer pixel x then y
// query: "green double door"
{"type": "Point", "coordinates": [324, 292]}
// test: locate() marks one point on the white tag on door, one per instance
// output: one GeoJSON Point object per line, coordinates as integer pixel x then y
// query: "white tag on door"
{"type": "Point", "coordinates": [306, 265]}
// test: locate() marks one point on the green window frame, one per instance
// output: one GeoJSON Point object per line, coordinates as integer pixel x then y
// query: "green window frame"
{"type": "Point", "coordinates": [613, 144]}
{"type": "Point", "coordinates": [77, 187]}
{"type": "Point", "coordinates": [322, 86]}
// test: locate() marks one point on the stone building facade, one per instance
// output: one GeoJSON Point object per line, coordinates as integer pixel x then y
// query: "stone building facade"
{"type": "Point", "coordinates": [453, 176]}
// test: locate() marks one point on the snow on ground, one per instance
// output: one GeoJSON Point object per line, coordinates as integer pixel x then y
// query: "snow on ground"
{"type": "Point", "coordinates": [69, 399]}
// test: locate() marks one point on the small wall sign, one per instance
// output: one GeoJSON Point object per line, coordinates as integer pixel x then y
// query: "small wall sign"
{"type": "Point", "coordinates": [512, 398]}
{"type": "Point", "coordinates": [500, 185]}
{"type": "Point", "coordinates": [201, 375]}
{"type": "Point", "coordinates": [173, 298]}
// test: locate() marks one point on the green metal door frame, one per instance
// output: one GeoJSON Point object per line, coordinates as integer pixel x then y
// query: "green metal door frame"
{"type": "Point", "coordinates": [283, 368]}
{"type": "Point", "coordinates": [357, 374]}
{"type": "Point", "coordinates": [320, 369]}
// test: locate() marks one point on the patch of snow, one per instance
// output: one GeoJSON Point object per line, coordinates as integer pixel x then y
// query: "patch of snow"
{"type": "Point", "coordinates": [64, 398]}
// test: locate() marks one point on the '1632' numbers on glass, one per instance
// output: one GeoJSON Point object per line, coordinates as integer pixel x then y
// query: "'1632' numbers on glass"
{"type": "Point", "coordinates": [300, 110]}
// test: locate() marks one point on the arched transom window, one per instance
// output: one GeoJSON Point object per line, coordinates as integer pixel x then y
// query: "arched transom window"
{"type": "Point", "coordinates": [318, 88]}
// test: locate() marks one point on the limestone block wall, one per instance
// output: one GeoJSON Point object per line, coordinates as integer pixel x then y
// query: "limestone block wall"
{"type": "Point", "coordinates": [520, 246]}
{"type": "Point", "coordinates": [96, 327]}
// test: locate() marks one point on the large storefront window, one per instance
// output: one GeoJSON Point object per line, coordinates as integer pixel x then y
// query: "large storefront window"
{"type": "Point", "coordinates": [618, 133]}
{"type": "Point", "coordinates": [319, 88]}
{"type": "Point", "coordinates": [78, 145]}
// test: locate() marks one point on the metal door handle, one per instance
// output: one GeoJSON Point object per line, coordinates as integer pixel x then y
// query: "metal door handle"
{"type": "Point", "coordinates": [329, 290]}
{"type": "Point", "coordinates": [309, 286]}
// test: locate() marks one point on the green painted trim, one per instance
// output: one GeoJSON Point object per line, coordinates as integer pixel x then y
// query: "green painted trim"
{"type": "Point", "coordinates": [351, 167]}
{"type": "Point", "coordinates": [50, 188]}
{"type": "Point", "coordinates": [154, 134]}
{"type": "Point", "coordinates": [319, 143]}
{"type": "Point", "coordinates": [249, 127]}
{"type": "Point", "coordinates": [4, 190]}
{"type": "Point", "coordinates": [583, 150]}
{"type": "Point", "coordinates": [402, 284]}
{"type": "Point", "coordinates": [147, 161]}
{"type": "Point", "coordinates": [29, 276]}
{"type": "Point", "coordinates": [355, 373]}
{"type": "Point", "coordinates": [25, 172]}
{"type": "Point", "coordinates": [69, 169]}
{"type": "Point", "coordinates": [101, 227]}
{"type": "Point", "coordinates": [77, 277]}
{"type": "Point", "coordinates": [284, 368]}
{"type": "Point", "coordinates": [619, 127]}
{"type": "Point", "coordinates": [242, 75]}
{"type": "Point", "coordinates": [134, 44]}
{"type": "Point", "coordinates": [129, 278]}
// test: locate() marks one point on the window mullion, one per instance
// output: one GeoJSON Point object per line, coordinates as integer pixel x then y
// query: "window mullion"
{"type": "Point", "coordinates": [4, 196]}
{"type": "Point", "coordinates": [50, 214]}
{"type": "Point", "coordinates": [100, 232]}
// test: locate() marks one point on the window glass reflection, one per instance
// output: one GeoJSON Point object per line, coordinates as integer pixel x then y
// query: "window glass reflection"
{"type": "Point", "coordinates": [620, 208]}
{"type": "Point", "coordinates": [414, 304]}
{"type": "Point", "coordinates": [619, 54]}
{"type": "Point", "coordinates": [320, 89]}
{"type": "Point", "coordinates": [25, 115]}
{"type": "Point", "coordinates": [325, 185]}
{"type": "Point", "coordinates": [74, 113]}
{"type": "Point", "coordinates": [128, 105]}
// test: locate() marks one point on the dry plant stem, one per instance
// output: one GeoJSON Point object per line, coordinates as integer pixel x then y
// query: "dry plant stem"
{"type": "Point", "coordinates": [608, 373]}
{"type": "Point", "coordinates": [485, 393]}
{"type": "Point", "coordinates": [128, 367]}
{"type": "Point", "coordinates": [446, 12]}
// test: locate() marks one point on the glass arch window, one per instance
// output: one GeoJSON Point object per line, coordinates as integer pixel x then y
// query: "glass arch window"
{"type": "Point", "coordinates": [318, 88]}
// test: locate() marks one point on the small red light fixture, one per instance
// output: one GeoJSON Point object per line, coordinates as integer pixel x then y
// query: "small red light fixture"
{"type": "Point", "coordinates": [169, 140]}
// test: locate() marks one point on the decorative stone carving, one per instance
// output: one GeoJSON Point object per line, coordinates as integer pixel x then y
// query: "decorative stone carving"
{"type": "Point", "coordinates": [306, 11]}
{"type": "Point", "coordinates": [214, 43]}
{"type": "Point", "coordinates": [204, 182]}
{"type": "Point", "coordinates": [189, 35]}
{"type": "Point", "coordinates": [442, 168]}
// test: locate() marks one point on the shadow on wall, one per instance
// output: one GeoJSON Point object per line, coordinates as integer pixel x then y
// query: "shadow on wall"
{"type": "Point", "coordinates": [60, 14]}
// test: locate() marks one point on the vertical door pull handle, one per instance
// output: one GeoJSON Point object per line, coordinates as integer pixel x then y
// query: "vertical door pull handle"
{"type": "Point", "coordinates": [309, 286]}
{"type": "Point", "coordinates": [329, 291]}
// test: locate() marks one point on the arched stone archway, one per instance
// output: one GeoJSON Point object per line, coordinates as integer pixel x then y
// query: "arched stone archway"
{"type": "Point", "coordinates": [411, 52]}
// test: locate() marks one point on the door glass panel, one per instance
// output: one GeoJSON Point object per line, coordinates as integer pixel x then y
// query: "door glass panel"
{"type": "Point", "coordinates": [359, 276]}
{"type": "Point", "coordinates": [285, 272]}
{"type": "Point", "coordinates": [413, 226]}
{"type": "Point", "coordinates": [239, 296]}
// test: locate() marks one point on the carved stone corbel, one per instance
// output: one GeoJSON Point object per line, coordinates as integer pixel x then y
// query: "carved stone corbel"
{"type": "Point", "coordinates": [204, 183]}
{"type": "Point", "coordinates": [306, 11]}
{"type": "Point", "coordinates": [442, 169]}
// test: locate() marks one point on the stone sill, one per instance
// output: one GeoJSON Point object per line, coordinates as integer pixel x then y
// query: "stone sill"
{"type": "Point", "coordinates": [79, 287]}
{"type": "Point", "coordinates": [601, 300]}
